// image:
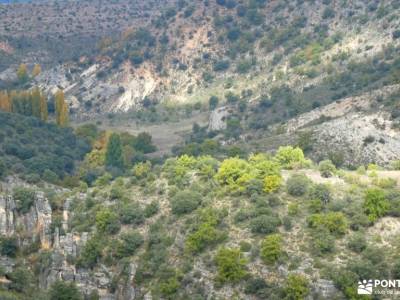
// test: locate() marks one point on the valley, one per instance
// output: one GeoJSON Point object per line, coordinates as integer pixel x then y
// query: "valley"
{"type": "Point", "coordinates": [211, 149]}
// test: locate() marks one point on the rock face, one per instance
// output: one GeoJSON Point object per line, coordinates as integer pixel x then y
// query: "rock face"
{"type": "Point", "coordinates": [36, 226]}
{"type": "Point", "coordinates": [325, 289]}
{"type": "Point", "coordinates": [218, 119]}
{"type": "Point", "coordinates": [362, 139]}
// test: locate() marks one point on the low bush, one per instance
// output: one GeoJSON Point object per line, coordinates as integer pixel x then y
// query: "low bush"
{"type": "Point", "coordinates": [297, 185]}
{"type": "Point", "coordinates": [231, 265]}
{"type": "Point", "coordinates": [271, 248]}
{"type": "Point", "coordinates": [185, 202]}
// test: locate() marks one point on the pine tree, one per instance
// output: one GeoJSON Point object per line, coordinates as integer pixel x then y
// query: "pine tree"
{"type": "Point", "coordinates": [61, 109]}
{"type": "Point", "coordinates": [37, 69]}
{"type": "Point", "coordinates": [114, 152]}
{"type": "Point", "coordinates": [22, 73]}
{"type": "Point", "coordinates": [5, 102]}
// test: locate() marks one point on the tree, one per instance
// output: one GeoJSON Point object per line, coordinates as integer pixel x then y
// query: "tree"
{"type": "Point", "coordinates": [61, 108]}
{"type": "Point", "coordinates": [326, 168]}
{"type": "Point", "coordinates": [35, 97]}
{"type": "Point", "coordinates": [143, 143]}
{"type": "Point", "coordinates": [290, 157]}
{"type": "Point", "coordinates": [37, 69]}
{"type": "Point", "coordinates": [22, 73]}
{"type": "Point", "coordinates": [297, 185]}
{"type": "Point", "coordinates": [61, 290]}
{"type": "Point", "coordinates": [297, 287]}
{"type": "Point", "coordinates": [8, 246]}
{"type": "Point", "coordinates": [213, 102]}
{"type": "Point", "coordinates": [107, 221]}
{"type": "Point", "coordinates": [271, 248]}
{"type": "Point", "coordinates": [375, 204]}
{"type": "Point", "coordinates": [235, 173]}
{"type": "Point", "coordinates": [5, 102]}
{"type": "Point", "coordinates": [44, 111]}
{"type": "Point", "coordinates": [114, 156]}
{"type": "Point", "coordinates": [185, 202]}
{"type": "Point", "coordinates": [2, 168]}
{"type": "Point", "coordinates": [231, 265]}
{"type": "Point", "coordinates": [130, 242]}
{"type": "Point", "coordinates": [272, 183]}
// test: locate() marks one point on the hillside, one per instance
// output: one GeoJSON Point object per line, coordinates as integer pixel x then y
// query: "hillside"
{"type": "Point", "coordinates": [211, 149]}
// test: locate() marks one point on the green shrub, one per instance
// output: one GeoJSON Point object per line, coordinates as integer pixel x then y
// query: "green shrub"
{"type": "Point", "coordinates": [24, 199]}
{"type": "Point", "coordinates": [213, 102]}
{"type": "Point", "coordinates": [61, 290]}
{"type": "Point", "coordinates": [271, 248]}
{"type": "Point", "coordinates": [185, 202]}
{"type": "Point", "coordinates": [21, 280]}
{"type": "Point", "coordinates": [326, 168]}
{"type": "Point", "coordinates": [272, 183]}
{"type": "Point", "coordinates": [235, 173]}
{"type": "Point", "coordinates": [206, 232]}
{"type": "Point", "coordinates": [131, 213]}
{"type": "Point", "coordinates": [129, 243]}
{"type": "Point", "coordinates": [8, 246]}
{"type": "Point", "coordinates": [265, 224]}
{"type": "Point", "coordinates": [230, 264]}
{"type": "Point", "coordinates": [322, 242]}
{"type": "Point", "coordinates": [375, 204]}
{"type": "Point", "coordinates": [107, 221]}
{"type": "Point", "coordinates": [2, 168]}
{"type": "Point", "coordinates": [91, 253]}
{"type": "Point", "coordinates": [328, 13]}
{"type": "Point", "coordinates": [255, 286]}
{"type": "Point", "coordinates": [297, 185]}
{"type": "Point", "coordinates": [290, 157]}
{"type": "Point", "coordinates": [321, 192]}
{"type": "Point", "coordinates": [151, 209]}
{"type": "Point", "coordinates": [297, 287]}
{"type": "Point", "coordinates": [334, 222]}
{"type": "Point", "coordinates": [357, 243]}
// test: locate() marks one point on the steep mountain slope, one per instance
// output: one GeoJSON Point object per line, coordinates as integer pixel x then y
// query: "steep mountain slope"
{"type": "Point", "coordinates": [189, 51]}
{"type": "Point", "coordinates": [221, 206]}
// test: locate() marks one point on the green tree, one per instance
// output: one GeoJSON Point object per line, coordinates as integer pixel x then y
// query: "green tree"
{"type": "Point", "coordinates": [185, 202]}
{"type": "Point", "coordinates": [61, 109]}
{"type": "Point", "coordinates": [235, 173]}
{"type": "Point", "coordinates": [326, 168]}
{"type": "Point", "coordinates": [271, 248]}
{"type": "Point", "coordinates": [8, 246]}
{"type": "Point", "coordinates": [297, 185]}
{"type": "Point", "coordinates": [213, 102]}
{"type": "Point", "coordinates": [231, 265]}
{"type": "Point", "coordinates": [61, 290]}
{"type": "Point", "coordinates": [114, 152]}
{"type": "Point", "coordinates": [107, 221]}
{"type": "Point", "coordinates": [290, 157]}
{"type": "Point", "coordinates": [375, 204]}
{"type": "Point", "coordinates": [22, 73]}
{"type": "Point", "coordinates": [2, 168]}
{"type": "Point", "coordinates": [91, 253]}
{"type": "Point", "coordinates": [297, 287]}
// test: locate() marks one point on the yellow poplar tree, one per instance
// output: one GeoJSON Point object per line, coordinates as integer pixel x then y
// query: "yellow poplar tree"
{"type": "Point", "coordinates": [61, 109]}
{"type": "Point", "coordinates": [5, 102]}
{"type": "Point", "coordinates": [35, 99]}
{"type": "Point", "coordinates": [43, 107]}
{"type": "Point", "coordinates": [37, 69]}
{"type": "Point", "coordinates": [22, 73]}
